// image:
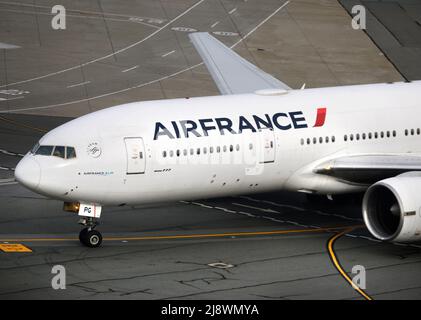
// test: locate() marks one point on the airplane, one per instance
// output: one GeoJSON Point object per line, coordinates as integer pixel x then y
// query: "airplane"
{"type": "Point", "coordinates": [259, 135]}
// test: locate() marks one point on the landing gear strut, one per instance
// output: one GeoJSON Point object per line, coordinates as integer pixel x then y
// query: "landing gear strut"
{"type": "Point", "coordinates": [89, 236]}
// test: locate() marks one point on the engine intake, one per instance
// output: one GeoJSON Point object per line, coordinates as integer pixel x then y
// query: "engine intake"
{"type": "Point", "coordinates": [391, 209]}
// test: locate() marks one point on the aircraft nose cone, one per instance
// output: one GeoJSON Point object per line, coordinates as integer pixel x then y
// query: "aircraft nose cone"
{"type": "Point", "coordinates": [28, 173]}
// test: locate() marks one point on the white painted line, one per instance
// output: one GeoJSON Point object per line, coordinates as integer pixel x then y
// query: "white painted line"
{"type": "Point", "coordinates": [130, 69]}
{"type": "Point", "coordinates": [6, 46]}
{"type": "Point", "coordinates": [111, 54]}
{"type": "Point", "coordinates": [8, 183]}
{"type": "Point", "coordinates": [79, 16]}
{"type": "Point", "coordinates": [11, 153]}
{"type": "Point", "coordinates": [256, 208]}
{"type": "Point", "coordinates": [260, 24]}
{"type": "Point", "coordinates": [141, 85]}
{"type": "Point", "coordinates": [78, 84]}
{"type": "Point", "coordinates": [247, 214]}
{"type": "Point", "coordinates": [202, 205]}
{"type": "Point", "coordinates": [183, 29]}
{"type": "Point", "coordinates": [232, 11]}
{"type": "Point", "coordinates": [10, 99]}
{"type": "Point", "coordinates": [7, 169]}
{"type": "Point", "coordinates": [19, 4]}
{"type": "Point", "coordinates": [167, 54]}
{"type": "Point", "coordinates": [224, 209]}
{"type": "Point", "coordinates": [215, 24]}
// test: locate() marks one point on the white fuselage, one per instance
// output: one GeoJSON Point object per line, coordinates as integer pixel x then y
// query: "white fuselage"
{"type": "Point", "coordinates": [139, 153]}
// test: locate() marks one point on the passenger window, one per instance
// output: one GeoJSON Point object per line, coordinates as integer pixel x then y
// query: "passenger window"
{"type": "Point", "coordinates": [364, 136]}
{"type": "Point", "coordinates": [210, 149]}
{"type": "Point", "coordinates": [237, 147]}
{"type": "Point", "coordinates": [231, 148]}
{"type": "Point", "coordinates": [250, 146]}
{"type": "Point", "coordinates": [314, 140]}
{"type": "Point", "coordinates": [198, 151]}
{"type": "Point", "coordinates": [345, 137]}
{"type": "Point", "coordinates": [185, 152]}
{"type": "Point", "coordinates": [308, 141]}
{"type": "Point", "coordinates": [376, 135]}
{"type": "Point", "coordinates": [333, 139]}
{"type": "Point", "coordinates": [205, 150]}
{"type": "Point", "coordinates": [178, 153]}
{"type": "Point", "coordinates": [164, 154]}
{"type": "Point", "coordinates": [412, 132]}
{"type": "Point", "coordinates": [218, 149]}
{"type": "Point", "coordinates": [191, 151]}
{"type": "Point", "coordinates": [171, 153]}
{"type": "Point", "coordinates": [327, 140]}
{"type": "Point", "coordinates": [44, 150]}
{"type": "Point", "coordinates": [225, 148]}
{"type": "Point", "coordinates": [59, 151]}
{"type": "Point", "coordinates": [370, 135]}
{"type": "Point", "coordinates": [321, 140]}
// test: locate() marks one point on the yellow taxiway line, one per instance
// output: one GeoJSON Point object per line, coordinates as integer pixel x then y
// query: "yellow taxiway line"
{"type": "Point", "coordinates": [336, 263]}
{"type": "Point", "coordinates": [187, 236]}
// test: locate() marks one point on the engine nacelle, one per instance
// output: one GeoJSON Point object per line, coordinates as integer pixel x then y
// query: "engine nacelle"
{"type": "Point", "coordinates": [392, 208]}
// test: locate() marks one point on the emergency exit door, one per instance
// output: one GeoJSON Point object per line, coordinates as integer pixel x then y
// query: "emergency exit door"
{"type": "Point", "coordinates": [267, 145]}
{"type": "Point", "coordinates": [136, 157]}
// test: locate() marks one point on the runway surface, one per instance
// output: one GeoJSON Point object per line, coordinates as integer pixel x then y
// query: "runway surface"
{"type": "Point", "coordinates": [395, 27]}
{"type": "Point", "coordinates": [264, 246]}
{"type": "Point", "coordinates": [112, 53]}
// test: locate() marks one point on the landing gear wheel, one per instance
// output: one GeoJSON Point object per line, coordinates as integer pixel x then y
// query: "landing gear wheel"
{"type": "Point", "coordinates": [90, 238]}
{"type": "Point", "coordinates": [82, 234]}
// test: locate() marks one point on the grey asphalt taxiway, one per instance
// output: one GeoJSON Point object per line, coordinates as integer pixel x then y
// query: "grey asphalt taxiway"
{"type": "Point", "coordinates": [262, 246]}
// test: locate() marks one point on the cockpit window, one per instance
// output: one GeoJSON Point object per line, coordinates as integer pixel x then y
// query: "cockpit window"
{"type": "Point", "coordinates": [44, 150]}
{"type": "Point", "coordinates": [59, 151]}
{"type": "Point", "coordinates": [70, 152]}
{"type": "Point", "coordinates": [63, 152]}
{"type": "Point", "coordinates": [35, 148]}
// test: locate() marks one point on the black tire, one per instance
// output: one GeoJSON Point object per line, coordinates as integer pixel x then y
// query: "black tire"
{"type": "Point", "coordinates": [90, 238]}
{"type": "Point", "coordinates": [93, 239]}
{"type": "Point", "coordinates": [82, 235]}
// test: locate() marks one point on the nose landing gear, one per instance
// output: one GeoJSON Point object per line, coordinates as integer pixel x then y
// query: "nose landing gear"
{"type": "Point", "coordinates": [89, 236]}
{"type": "Point", "coordinates": [89, 213]}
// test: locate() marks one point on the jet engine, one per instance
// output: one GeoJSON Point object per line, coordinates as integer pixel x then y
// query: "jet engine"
{"type": "Point", "coordinates": [392, 208]}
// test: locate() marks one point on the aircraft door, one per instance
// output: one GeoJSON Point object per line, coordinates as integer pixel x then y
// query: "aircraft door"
{"type": "Point", "coordinates": [268, 144]}
{"type": "Point", "coordinates": [136, 156]}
